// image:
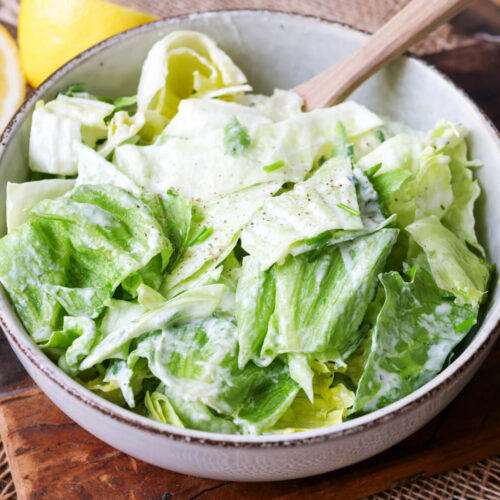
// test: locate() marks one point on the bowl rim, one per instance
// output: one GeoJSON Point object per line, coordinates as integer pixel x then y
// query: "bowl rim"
{"type": "Point", "coordinates": [17, 335]}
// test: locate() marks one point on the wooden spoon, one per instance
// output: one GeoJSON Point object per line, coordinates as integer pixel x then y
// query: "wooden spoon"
{"type": "Point", "coordinates": [408, 26]}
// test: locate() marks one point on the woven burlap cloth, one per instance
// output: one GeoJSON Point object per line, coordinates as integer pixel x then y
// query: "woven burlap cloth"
{"type": "Point", "coordinates": [480, 480]}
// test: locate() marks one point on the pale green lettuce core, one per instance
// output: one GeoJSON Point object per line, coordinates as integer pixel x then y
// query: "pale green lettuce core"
{"type": "Point", "coordinates": [225, 262]}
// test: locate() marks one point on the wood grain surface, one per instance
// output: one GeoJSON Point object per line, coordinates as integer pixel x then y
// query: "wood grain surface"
{"type": "Point", "coordinates": [52, 458]}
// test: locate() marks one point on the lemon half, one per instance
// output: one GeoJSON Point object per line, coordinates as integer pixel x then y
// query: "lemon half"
{"type": "Point", "coordinates": [51, 32]}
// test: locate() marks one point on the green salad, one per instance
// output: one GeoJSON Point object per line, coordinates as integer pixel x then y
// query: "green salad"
{"type": "Point", "coordinates": [223, 261]}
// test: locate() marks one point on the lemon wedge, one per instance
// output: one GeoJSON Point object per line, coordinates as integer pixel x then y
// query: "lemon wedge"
{"type": "Point", "coordinates": [52, 32]}
{"type": "Point", "coordinates": [12, 84]}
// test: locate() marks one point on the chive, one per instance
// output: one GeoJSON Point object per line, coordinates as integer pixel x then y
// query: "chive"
{"type": "Point", "coordinates": [350, 149]}
{"type": "Point", "coordinates": [314, 254]}
{"type": "Point", "coordinates": [170, 192]}
{"type": "Point", "coordinates": [75, 89]}
{"type": "Point", "coordinates": [236, 138]}
{"type": "Point", "coordinates": [274, 166]}
{"type": "Point", "coordinates": [321, 160]}
{"type": "Point", "coordinates": [319, 237]}
{"type": "Point", "coordinates": [380, 136]}
{"type": "Point", "coordinates": [352, 211]}
{"type": "Point", "coordinates": [204, 233]}
{"type": "Point", "coordinates": [373, 170]}
{"type": "Point", "coordinates": [124, 102]}
{"type": "Point", "coordinates": [465, 325]}
{"type": "Point", "coordinates": [442, 207]}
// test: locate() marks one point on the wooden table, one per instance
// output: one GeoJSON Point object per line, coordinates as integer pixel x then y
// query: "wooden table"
{"type": "Point", "coordinates": [51, 457]}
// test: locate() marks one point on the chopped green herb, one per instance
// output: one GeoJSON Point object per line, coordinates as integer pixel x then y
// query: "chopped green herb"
{"type": "Point", "coordinates": [124, 102]}
{"type": "Point", "coordinates": [76, 88]}
{"type": "Point", "coordinates": [170, 192]}
{"type": "Point", "coordinates": [321, 160]}
{"type": "Point", "coordinates": [380, 136]}
{"type": "Point", "coordinates": [274, 166]}
{"type": "Point", "coordinates": [318, 238]}
{"type": "Point", "coordinates": [465, 325]}
{"type": "Point", "coordinates": [373, 170]}
{"type": "Point", "coordinates": [204, 233]}
{"type": "Point", "coordinates": [350, 149]}
{"type": "Point", "coordinates": [194, 91]}
{"type": "Point", "coordinates": [442, 207]}
{"type": "Point", "coordinates": [352, 211]}
{"type": "Point", "coordinates": [236, 138]}
{"type": "Point", "coordinates": [314, 254]}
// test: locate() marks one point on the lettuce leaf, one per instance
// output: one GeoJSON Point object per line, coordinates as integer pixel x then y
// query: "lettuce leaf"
{"type": "Point", "coordinates": [454, 267]}
{"type": "Point", "coordinates": [75, 254]}
{"type": "Point", "coordinates": [325, 201]}
{"type": "Point", "coordinates": [94, 169]}
{"type": "Point", "coordinates": [297, 142]}
{"type": "Point", "coordinates": [194, 414]}
{"type": "Point", "coordinates": [255, 295]}
{"type": "Point", "coordinates": [320, 302]}
{"type": "Point", "coordinates": [449, 139]}
{"type": "Point", "coordinates": [415, 332]}
{"type": "Point", "coordinates": [214, 231]}
{"type": "Point", "coordinates": [196, 303]}
{"type": "Point", "coordinates": [279, 106]}
{"type": "Point", "coordinates": [21, 197]}
{"type": "Point", "coordinates": [199, 361]}
{"type": "Point", "coordinates": [182, 65]}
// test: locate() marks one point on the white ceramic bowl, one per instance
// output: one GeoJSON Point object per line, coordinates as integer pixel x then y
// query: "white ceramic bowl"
{"type": "Point", "coordinates": [274, 50]}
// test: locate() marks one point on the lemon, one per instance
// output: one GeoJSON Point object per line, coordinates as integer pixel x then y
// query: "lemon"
{"type": "Point", "coordinates": [12, 84]}
{"type": "Point", "coordinates": [51, 32]}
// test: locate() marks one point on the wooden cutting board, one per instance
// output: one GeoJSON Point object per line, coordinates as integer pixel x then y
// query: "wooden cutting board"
{"type": "Point", "coordinates": [53, 458]}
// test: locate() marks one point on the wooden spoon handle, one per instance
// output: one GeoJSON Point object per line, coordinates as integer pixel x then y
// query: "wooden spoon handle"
{"type": "Point", "coordinates": [408, 26]}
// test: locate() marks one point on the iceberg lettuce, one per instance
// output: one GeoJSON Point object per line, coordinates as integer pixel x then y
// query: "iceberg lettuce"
{"type": "Point", "coordinates": [21, 197]}
{"type": "Point", "coordinates": [329, 405]}
{"type": "Point", "coordinates": [320, 301]}
{"type": "Point", "coordinates": [454, 267]}
{"type": "Point", "coordinates": [325, 201]}
{"type": "Point", "coordinates": [199, 360]}
{"type": "Point", "coordinates": [415, 332]}
{"type": "Point", "coordinates": [185, 64]}
{"type": "Point", "coordinates": [75, 253]}
{"type": "Point", "coordinates": [181, 162]}
{"type": "Point", "coordinates": [214, 231]}
{"type": "Point", "coordinates": [196, 303]}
